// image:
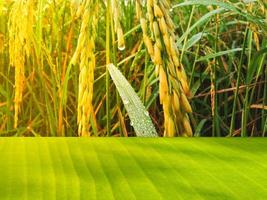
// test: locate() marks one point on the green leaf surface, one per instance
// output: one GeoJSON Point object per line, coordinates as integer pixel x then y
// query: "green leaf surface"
{"type": "Point", "coordinates": [221, 53]}
{"type": "Point", "coordinates": [194, 39]}
{"type": "Point", "coordinates": [133, 168]}
{"type": "Point", "coordinates": [200, 127]}
{"type": "Point", "coordinates": [199, 22]}
{"type": "Point", "coordinates": [227, 6]}
{"type": "Point", "coordinates": [138, 114]}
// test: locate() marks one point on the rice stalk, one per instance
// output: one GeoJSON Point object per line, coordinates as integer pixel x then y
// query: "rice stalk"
{"type": "Point", "coordinates": [85, 54]}
{"type": "Point", "coordinates": [159, 38]}
{"type": "Point", "coordinates": [107, 77]}
{"type": "Point", "coordinates": [20, 35]}
{"type": "Point", "coordinates": [2, 42]}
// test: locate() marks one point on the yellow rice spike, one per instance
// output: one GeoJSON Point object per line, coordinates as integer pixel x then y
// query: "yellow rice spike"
{"type": "Point", "coordinates": [185, 104]}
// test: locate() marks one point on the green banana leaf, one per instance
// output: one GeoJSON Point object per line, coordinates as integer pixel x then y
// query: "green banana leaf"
{"type": "Point", "coordinates": [133, 168]}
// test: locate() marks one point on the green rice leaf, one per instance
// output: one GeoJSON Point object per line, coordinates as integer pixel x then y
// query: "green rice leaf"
{"type": "Point", "coordinates": [194, 39]}
{"type": "Point", "coordinates": [139, 116]}
{"type": "Point", "coordinates": [198, 23]}
{"type": "Point", "coordinates": [221, 53]}
{"type": "Point", "coordinates": [227, 6]}
{"type": "Point", "coordinates": [200, 127]}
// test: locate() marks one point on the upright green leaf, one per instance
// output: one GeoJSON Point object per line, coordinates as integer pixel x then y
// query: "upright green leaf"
{"type": "Point", "coordinates": [228, 6]}
{"type": "Point", "coordinates": [139, 116]}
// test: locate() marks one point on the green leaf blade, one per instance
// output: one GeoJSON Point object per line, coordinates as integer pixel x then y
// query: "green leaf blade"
{"type": "Point", "coordinates": [139, 116]}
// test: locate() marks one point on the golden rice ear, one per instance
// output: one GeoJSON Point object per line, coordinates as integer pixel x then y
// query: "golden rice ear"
{"type": "Point", "coordinates": [176, 102]}
{"type": "Point", "coordinates": [163, 89]}
{"type": "Point", "coordinates": [117, 24]}
{"type": "Point", "coordinates": [80, 9]}
{"type": "Point", "coordinates": [149, 45]}
{"type": "Point", "coordinates": [167, 43]}
{"type": "Point", "coordinates": [175, 60]}
{"type": "Point", "coordinates": [256, 40]}
{"type": "Point", "coordinates": [174, 50]}
{"type": "Point", "coordinates": [171, 131]}
{"type": "Point", "coordinates": [149, 3]}
{"type": "Point", "coordinates": [158, 39]}
{"type": "Point", "coordinates": [1, 43]}
{"type": "Point", "coordinates": [163, 26]}
{"type": "Point", "coordinates": [185, 87]}
{"type": "Point", "coordinates": [138, 9]}
{"type": "Point", "coordinates": [157, 55]}
{"type": "Point", "coordinates": [157, 11]}
{"type": "Point", "coordinates": [121, 42]}
{"type": "Point", "coordinates": [158, 43]}
{"type": "Point", "coordinates": [85, 54]}
{"type": "Point", "coordinates": [20, 27]}
{"type": "Point", "coordinates": [156, 29]}
{"type": "Point", "coordinates": [143, 25]}
{"type": "Point", "coordinates": [187, 126]}
{"type": "Point", "coordinates": [185, 104]}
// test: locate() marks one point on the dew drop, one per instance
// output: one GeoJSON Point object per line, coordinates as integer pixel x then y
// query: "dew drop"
{"type": "Point", "coordinates": [146, 113]}
{"type": "Point", "coordinates": [121, 48]}
{"type": "Point", "coordinates": [143, 3]}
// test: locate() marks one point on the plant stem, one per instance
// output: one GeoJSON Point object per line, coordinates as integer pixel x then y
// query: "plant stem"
{"type": "Point", "coordinates": [232, 126]}
{"type": "Point", "coordinates": [215, 130]}
{"type": "Point", "coordinates": [188, 26]}
{"type": "Point", "coordinates": [145, 78]}
{"type": "Point", "coordinates": [247, 100]}
{"type": "Point", "coordinates": [107, 63]}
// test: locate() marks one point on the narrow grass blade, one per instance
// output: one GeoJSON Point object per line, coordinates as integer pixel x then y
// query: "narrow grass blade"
{"type": "Point", "coordinates": [198, 23]}
{"type": "Point", "coordinates": [200, 127]}
{"type": "Point", "coordinates": [194, 39]}
{"type": "Point", "coordinates": [218, 54]}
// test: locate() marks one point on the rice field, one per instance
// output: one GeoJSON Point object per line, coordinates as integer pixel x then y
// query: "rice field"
{"type": "Point", "coordinates": [133, 68]}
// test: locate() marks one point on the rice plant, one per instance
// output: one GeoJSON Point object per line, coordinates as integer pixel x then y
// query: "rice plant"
{"type": "Point", "coordinates": [198, 67]}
